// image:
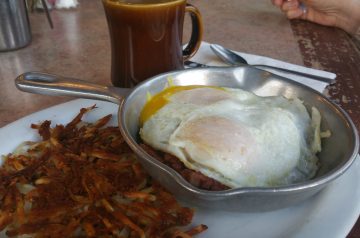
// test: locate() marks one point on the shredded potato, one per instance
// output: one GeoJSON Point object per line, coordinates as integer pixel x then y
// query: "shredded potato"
{"type": "Point", "coordinates": [83, 180]}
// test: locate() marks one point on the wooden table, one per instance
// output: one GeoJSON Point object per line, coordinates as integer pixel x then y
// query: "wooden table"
{"type": "Point", "coordinates": [335, 51]}
{"type": "Point", "coordinates": [79, 47]}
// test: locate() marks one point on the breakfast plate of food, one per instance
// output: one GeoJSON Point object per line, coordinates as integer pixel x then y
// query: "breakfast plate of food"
{"type": "Point", "coordinates": [240, 144]}
{"type": "Point", "coordinates": [330, 213]}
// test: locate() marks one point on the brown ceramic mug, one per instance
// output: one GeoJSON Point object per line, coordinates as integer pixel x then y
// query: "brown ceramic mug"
{"type": "Point", "coordinates": [146, 38]}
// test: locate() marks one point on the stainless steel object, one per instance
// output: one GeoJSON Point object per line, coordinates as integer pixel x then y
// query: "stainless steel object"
{"type": "Point", "coordinates": [192, 64]}
{"type": "Point", "coordinates": [339, 151]}
{"type": "Point", "coordinates": [234, 59]}
{"type": "Point", "coordinates": [14, 25]}
{"type": "Point", "coordinates": [47, 12]}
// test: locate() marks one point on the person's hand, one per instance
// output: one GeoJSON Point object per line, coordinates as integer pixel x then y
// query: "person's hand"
{"type": "Point", "coordinates": [343, 14]}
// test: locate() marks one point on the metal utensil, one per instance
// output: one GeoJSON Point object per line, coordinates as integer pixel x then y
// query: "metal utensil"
{"type": "Point", "coordinates": [234, 59]}
{"type": "Point", "coordinates": [192, 64]}
{"type": "Point", "coordinates": [338, 152]}
{"type": "Point", "coordinates": [47, 12]}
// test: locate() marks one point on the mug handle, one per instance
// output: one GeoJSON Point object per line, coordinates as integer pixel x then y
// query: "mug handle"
{"type": "Point", "coordinates": [196, 34]}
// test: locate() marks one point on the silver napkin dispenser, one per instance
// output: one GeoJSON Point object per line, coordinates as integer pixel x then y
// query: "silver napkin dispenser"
{"type": "Point", "coordinates": [15, 29]}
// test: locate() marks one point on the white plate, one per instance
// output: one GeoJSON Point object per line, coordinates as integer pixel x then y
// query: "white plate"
{"type": "Point", "coordinates": [331, 213]}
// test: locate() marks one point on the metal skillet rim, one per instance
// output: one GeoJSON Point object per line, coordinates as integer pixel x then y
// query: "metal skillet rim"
{"type": "Point", "coordinates": [316, 182]}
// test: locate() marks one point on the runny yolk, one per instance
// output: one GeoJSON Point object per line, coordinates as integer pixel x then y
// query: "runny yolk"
{"type": "Point", "coordinates": [159, 100]}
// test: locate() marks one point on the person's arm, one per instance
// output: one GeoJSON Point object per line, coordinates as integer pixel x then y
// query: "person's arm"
{"type": "Point", "coordinates": [343, 14]}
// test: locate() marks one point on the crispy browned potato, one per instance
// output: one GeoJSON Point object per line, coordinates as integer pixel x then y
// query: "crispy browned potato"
{"type": "Point", "coordinates": [83, 180]}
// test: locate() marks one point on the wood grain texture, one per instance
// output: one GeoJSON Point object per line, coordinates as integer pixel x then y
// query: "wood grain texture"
{"type": "Point", "coordinates": [334, 50]}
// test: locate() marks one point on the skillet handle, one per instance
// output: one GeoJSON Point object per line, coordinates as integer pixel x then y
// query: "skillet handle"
{"type": "Point", "coordinates": [55, 85]}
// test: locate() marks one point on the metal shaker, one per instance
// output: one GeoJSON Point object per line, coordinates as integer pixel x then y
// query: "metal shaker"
{"type": "Point", "coordinates": [15, 29]}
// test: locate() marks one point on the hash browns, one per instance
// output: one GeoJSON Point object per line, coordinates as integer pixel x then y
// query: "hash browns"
{"type": "Point", "coordinates": [83, 180]}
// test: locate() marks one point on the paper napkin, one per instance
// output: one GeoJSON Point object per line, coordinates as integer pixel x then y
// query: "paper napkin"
{"type": "Point", "coordinates": [206, 56]}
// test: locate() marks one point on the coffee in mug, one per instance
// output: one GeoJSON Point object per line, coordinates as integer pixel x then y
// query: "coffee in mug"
{"type": "Point", "coordinates": [146, 38]}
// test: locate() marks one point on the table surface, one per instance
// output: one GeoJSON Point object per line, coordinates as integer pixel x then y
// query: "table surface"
{"type": "Point", "coordinates": [79, 46]}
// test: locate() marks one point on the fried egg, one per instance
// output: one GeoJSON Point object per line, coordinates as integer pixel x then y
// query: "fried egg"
{"type": "Point", "coordinates": [234, 136]}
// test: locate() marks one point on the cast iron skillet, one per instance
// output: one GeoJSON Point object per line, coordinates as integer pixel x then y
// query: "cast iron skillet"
{"type": "Point", "coordinates": [339, 151]}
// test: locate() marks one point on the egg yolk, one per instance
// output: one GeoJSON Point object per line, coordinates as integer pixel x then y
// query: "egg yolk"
{"type": "Point", "coordinates": [159, 100]}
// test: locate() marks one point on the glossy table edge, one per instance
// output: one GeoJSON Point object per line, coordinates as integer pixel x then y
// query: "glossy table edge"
{"type": "Point", "coordinates": [341, 55]}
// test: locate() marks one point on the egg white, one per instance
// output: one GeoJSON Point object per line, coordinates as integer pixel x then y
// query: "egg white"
{"type": "Point", "coordinates": [236, 137]}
